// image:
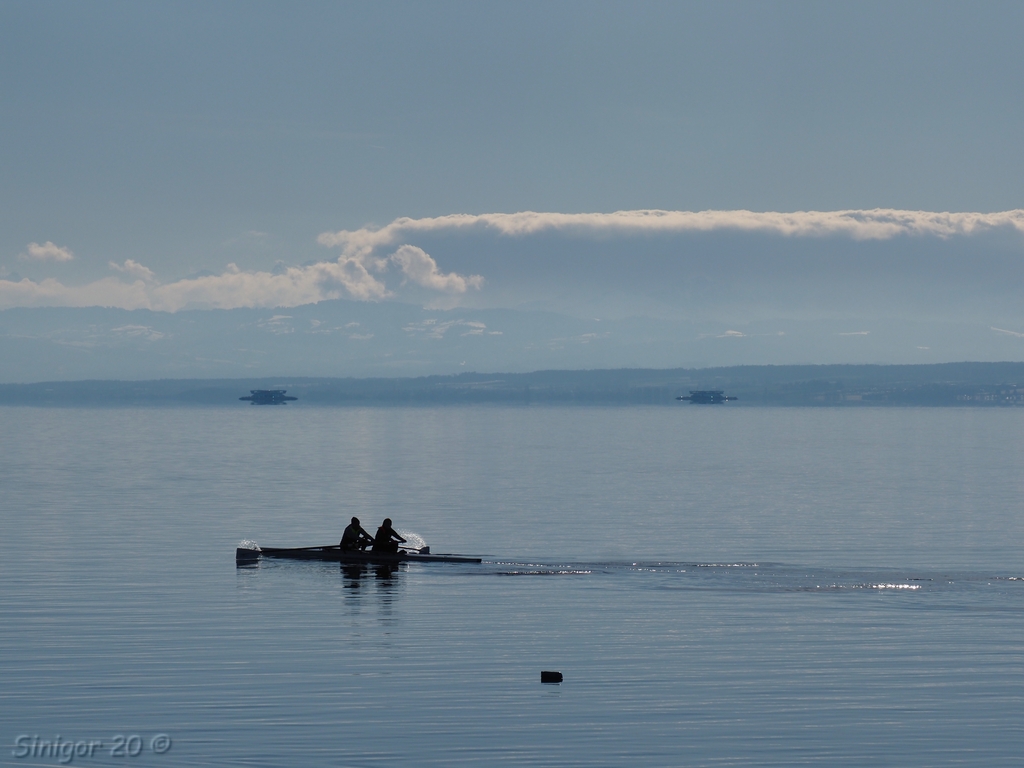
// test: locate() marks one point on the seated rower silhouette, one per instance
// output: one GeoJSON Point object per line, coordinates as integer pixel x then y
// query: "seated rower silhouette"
{"type": "Point", "coordinates": [386, 539]}
{"type": "Point", "coordinates": [355, 538]}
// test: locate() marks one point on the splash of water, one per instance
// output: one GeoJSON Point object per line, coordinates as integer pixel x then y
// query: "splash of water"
{"type": "Point", "coordinates": [413, 540]}
{"type": "Point", "coordinates": [249, 544]}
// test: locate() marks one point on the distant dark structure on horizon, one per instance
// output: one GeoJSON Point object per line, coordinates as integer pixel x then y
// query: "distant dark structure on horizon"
{"type": "Point", "coordinates": [268, 397]}
{"type": "Point", "coordinates": [707, 396]}
{"type": "Point", "coordinates": [954, 385]}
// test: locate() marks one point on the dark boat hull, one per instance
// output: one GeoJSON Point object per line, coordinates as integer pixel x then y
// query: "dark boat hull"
{"type": "Point", "coordinates": [336, 555]}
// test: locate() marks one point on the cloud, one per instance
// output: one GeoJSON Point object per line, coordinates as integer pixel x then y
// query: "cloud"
{"type": "Point", "coordinates": [108, 292]}
{"type": "Point", "coordinates": [420, 267]}
{"type": "Point", "coordinates": [877, 224]}
{"type": "Point", "coordinates": [432, 329]}
{"type": "Point", "coordinates": [138, 331]}
{"type": "Point", "coordinates": [229, 290]}
{"type": "Point", "coordinates": [134, 269]}
{"type": "Point", "coordinates": [1008, 333]}
{"type": "Point", "coordinates": [891, 261]}
{"type": "Point", "coordinates": [351, 276]}
{"type": "Point", "coordinates": [294, 287]}
{"type": "Point", "coordinates": [278, 325]}
{"type": "Point", "coordinates": [631, 261]}
{"type": "Point", "coordinates": [47, 252]}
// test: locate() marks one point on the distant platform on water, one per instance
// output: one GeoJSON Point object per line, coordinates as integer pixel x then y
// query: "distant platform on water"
{"type": "Point", "coordinates": [707, 396]}
{"type": "Point", "coordinates": [945, 384]}
{"type": "Point", "coordinates": [268, 397]}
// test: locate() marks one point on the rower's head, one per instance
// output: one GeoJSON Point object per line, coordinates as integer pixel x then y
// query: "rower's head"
{"type": "Point", "coordinates": [387, 522]}
{"type": "Point", "coordinates": [355, 521]}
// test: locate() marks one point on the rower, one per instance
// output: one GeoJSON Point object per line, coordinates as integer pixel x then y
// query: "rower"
{"type": "Point", "coordinates": [354, 537]}
{"type": "Point", "coordinates": [387, 538]}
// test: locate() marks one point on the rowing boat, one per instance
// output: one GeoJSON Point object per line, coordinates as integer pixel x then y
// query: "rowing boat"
{"type": "Point", "coordinates": [337, 555]}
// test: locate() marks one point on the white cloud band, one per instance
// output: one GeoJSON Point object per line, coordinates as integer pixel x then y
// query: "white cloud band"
{"type": "Point", "coordinates": [877, 224]}
{"type": "Point", "coordinates": [360, 271]}
{"type": "Point", "coordinates": [347, 277]}
{"type": "Point", "coordinates": [234, 288]}
{"type": "Point", "coordinates": [133, 268]}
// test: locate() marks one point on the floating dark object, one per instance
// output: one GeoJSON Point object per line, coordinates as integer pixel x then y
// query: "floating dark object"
{"type": "Point", "coordinates": [333, 553]}
{"type": "Point", "coordinates": [267, 396]}
{"type": "Point", "coordinates": [707, 396]}
{"type": "Point", "coordinates": [551, 677]}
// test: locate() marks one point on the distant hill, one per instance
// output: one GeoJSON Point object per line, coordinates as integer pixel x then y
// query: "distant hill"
{"type": "Point", "coordinates": [948, 384]}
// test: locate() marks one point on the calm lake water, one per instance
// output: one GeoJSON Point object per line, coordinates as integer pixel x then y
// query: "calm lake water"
{"type": "Point", "coordinates": [720, 586]}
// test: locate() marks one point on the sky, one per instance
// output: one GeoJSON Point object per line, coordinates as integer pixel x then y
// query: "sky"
{"type": "Point", "coordinates": [851, 165]}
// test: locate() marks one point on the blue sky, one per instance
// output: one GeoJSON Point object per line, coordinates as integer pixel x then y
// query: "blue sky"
{"type": "Point", "coordinates": [145, 143]}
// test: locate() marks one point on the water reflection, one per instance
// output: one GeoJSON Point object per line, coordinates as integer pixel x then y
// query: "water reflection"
{"type": "Point", "coordinates": [354, 573]}
{"type": "Point", "coordinates": [361, 582]}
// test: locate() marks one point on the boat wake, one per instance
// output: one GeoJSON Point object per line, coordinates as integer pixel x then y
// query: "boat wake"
{"type": "Point", "coordinates": [749, 577]}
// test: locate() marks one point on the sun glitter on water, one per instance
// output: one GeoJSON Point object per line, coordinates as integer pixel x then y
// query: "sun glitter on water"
{"type": "Point", "coordinates": [413, 540]}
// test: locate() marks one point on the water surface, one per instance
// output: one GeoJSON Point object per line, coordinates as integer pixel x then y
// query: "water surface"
{"type": "Point", "coordinates": [719, 586]}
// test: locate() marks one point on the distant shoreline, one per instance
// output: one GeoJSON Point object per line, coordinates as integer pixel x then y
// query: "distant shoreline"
{"type": "Point", "coordinates": [945, 384]}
